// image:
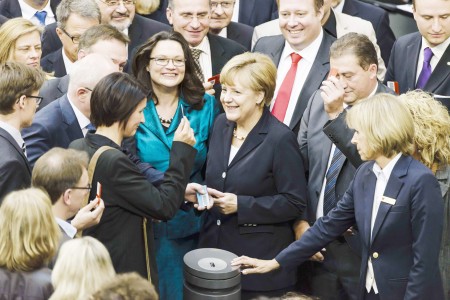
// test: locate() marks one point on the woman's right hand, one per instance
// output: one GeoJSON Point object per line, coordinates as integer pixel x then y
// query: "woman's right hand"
{"type": "Point", "coordinates": [184, 133]}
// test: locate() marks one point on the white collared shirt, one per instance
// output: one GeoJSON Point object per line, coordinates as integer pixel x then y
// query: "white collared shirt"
{"type": "Point", "coordinates": [438, 52]}
{"type": "Point", "coordinates": [68, 64]}
{"type": "Point", "coordinates": [67, 227]}
{"type": "Point", "coordinates": [14, 132]}
{"type": "Point", "coordinates": [235, 17]}
{"type": "Point", "coordinates": [339, 7]}
{"type": "Point", "coordinates": [205, 58]}
{"type": "Point", "coordinates": [223, 33]}
{"type": "Point", "coordinates": [29, 12]}
{"type": "Point", "coordinates": [83, 121]}
{"type": "Point", "coordinates": [383, 176]}
{"type": "Point", "coordinates": [304, 67]}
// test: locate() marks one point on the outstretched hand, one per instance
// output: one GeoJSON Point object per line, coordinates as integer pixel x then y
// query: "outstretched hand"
{"type": "Point", "coordinates": [255, 266]}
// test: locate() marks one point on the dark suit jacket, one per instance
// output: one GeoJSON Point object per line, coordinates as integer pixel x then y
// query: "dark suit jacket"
{"type": "Point", "coordinates": [403, 67]}
{"type": "Point", "coordinates": [406, 236]}
{"type": "Point", "coordinates": [255, 12]}
{"type": "Point", "coordinates": [54, 126]}
{"type": "Point", "coordinates": [268, 178]}
{"type": "Point", "coordinates": [240, 33]}
{"type": "Point", "coordinates": [341, 135]}
{"type": "Point", "coordinates": [54, 62]}
{"type": "Point", "coordinates": [3, 19]}
{"type": "Point", "coordinates": [131, 202]}
{"type": "Point", "coordinates": [380, 21]}
{"type": "Point", "coordinates": [15, 173]}
{"type": "Point", "coordinates": [160, 14]}
{"type": "Point", "coordinates": [274, 45]}
{"type": "Point", "coordinates": [53, 89]}
{"type": "Point", "coordinates": [11, 8]}
{"type": "Point", "coordinates": [50, 40]}
{"type": "Point", "coordinates": [222, 50]}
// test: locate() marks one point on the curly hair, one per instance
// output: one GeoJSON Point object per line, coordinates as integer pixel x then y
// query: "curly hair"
{"type": "Point", "coordinates": [432, 127]}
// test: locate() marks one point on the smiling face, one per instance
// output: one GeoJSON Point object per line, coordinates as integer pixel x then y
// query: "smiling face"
{"type": "Point", "coordinates": [433, 20]}
{"type": "Point", "coordinates": [191, 19]}
{"type": "Point", "coordinates": [119, 16]}
{"type": "Point", "coordinates": [221, 16]}
{"type": "Point", "coordinates": [27, 49]}
{"type": "Point", "coordinates": [299, 22]}
{"type": "Point", "coordinates": [136, 118]}
{"type": "Point", "coordinates": [169, 76]}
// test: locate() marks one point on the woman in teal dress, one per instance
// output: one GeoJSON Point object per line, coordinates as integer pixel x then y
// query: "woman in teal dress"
{"type": "Point", "coordinates": [164, 64]}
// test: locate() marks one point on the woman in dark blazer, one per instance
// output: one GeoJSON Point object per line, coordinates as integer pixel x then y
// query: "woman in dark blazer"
{"type": "Point", "coordinates": [126, 229]}
{"type": "Point", "coordinates": [394, 200]}
{"type": "Point", "coordinates": [254, 173]}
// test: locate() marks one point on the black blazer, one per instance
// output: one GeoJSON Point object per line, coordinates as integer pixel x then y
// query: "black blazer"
{"type": "Point", "coordinates": [11, 8]}
{"type": "Point", "coordinates": [241, 34]}
{"type": "Point", "coordinates": [256, 12]}
{"type": "Point", "coordinates": [3, 19]}
{"type": "Point", "coordinates": [15, 173]}
{"type": "Point", "coordinates": [50, 40]}
{"type": "Point", "coordinates": [380, 22]}
{"type": "Point", "coordinates": [54, 63]}
{"type": "Point", "coordinates": [274, 45]}
{"type": "Point", "coordinates": [131, 202]}
{"type": "Point", "coordinates": [267, 176]}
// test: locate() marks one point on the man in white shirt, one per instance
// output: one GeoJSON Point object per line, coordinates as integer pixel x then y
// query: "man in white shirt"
{"type": "Point", "coordinates": [19, 86]}
{"type": "Point", "coordinates": [40, 12]}
{"type": "Point", "coordinates": [67, 118]}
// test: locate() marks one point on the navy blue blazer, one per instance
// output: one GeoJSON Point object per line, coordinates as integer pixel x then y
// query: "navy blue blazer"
{"type": "Point", "coordinates": [380, 22]}
{"type": "Point", "coordinates": [54, 63]}
{"type": "Point", "coordinates": [240, 33]}
{"type": "Point", "coordinates": [15, 173]}
{"type": "Point", "coordinates": [53, 89]}
{"type": "Point", "coordinates": [256, 12]}
{"type": "Point", "coordinates": [54, 126]}
{"type": "Point", "coordinates": [405, 242]}
{"type": "Point", "coordinates": [268, 178]}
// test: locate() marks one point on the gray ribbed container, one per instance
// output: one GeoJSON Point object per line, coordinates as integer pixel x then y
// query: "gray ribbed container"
{"type": "Point", "coordinates": [208, 274]}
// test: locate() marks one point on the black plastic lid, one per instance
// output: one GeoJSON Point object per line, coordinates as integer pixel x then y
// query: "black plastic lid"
{"type": "Point", "coordinates": [210, 263]}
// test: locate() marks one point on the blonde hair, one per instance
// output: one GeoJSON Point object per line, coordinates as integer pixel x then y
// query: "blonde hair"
{"type": "Point", "coordinates": [29, 233]}
{"type": "Point", "coordinates": [82, 266]}
{"type": "Point", "coordinates": [10, 32]}
{"type": "Point", "coordinates": [254, 70]}
{"type": "Point", "coordinates": [386, 123]}
{"type": "Point", "coordinates": [432, 127]}
{"type": "Point", "coordinates": [146, 7]}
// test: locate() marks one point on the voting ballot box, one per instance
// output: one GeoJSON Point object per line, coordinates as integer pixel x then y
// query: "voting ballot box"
{"type": "Point", "coordinates": [208, 274]}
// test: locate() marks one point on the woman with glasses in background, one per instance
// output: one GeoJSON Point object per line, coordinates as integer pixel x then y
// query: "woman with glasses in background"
{"type": "Point", "coordinates": [164, 65]}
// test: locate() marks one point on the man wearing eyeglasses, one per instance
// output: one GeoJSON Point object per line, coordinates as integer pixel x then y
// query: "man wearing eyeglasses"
{"type": "Point", "coordinates": [19, 86]}
{"type": "Point", "coordinates": [74, 18]}
{"type": "Point", "coordinates": [221, 24]}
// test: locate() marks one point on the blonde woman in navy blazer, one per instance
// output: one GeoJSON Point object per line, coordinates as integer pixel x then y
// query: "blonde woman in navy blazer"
{"type": "Point", "coordinates": [401, 239]}
{"type": "Point", "coordinates": [254, 172]}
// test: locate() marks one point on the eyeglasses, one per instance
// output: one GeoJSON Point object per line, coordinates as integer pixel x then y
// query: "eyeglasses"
{"type": "Point", "coordinates": [36, 98]}
{"type": "Point", "coordinates": [161, 61]}
{"type": "Point", "coordinates": [75, 39]}
{"type": "Point", "coordinates": [88, 187]}
{"type": "Point", "coordinates": [90, 90]}
{"type": "Point", "coordinates": [224, 4]}
{"type": "Point", "coordinates": [117, 2]}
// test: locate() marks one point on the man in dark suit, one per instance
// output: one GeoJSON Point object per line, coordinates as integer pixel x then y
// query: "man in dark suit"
{"type": "Point", "coordinates": [67, 118]}
{"type": "Point", "coordinates": [31, 10]}
{"type": "Point", "coordinates": [307, 39]}
{"type": "Point", "coordinates": [375, 15]}
{"type": "Point", "coordinates": [3, 19]}
{"type": "Point", "coordinates": [396, 203]}
{"type": "Point", "coordinates": [255, 12]}
{"type": "Point", "coordinates": [19, 86]}
{"type": "Point", "coordinates": [101, 39]}
{"type": "Point", "coordinates": [220, 24]}
{"type": "Point", "coordinates": [351, 54]}
{"type": "Point", "coordinates": [192, 19]}
{"type": "Point", "coordinates": [421, 59]}
{"type": "Point", "coordinates": [74, 18]}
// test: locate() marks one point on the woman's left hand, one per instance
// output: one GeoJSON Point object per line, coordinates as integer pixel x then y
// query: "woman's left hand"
{"type": "Point", "coordinates": [226, 202]}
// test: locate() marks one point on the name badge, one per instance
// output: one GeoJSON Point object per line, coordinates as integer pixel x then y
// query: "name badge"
{"type": "Point", "coordinates": [388, 200]}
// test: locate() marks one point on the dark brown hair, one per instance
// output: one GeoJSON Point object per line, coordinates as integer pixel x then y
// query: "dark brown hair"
{"type": "Point", "coordinates": [358, 45]}
{"type": "Point", "coordinates": [191, 88]}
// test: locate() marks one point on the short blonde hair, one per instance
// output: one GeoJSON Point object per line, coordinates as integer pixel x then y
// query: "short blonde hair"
{"type": "Point", "coordinates": [82, 266]}
{"type": "Point", "coordinates": [29, 233]}
{"type": "Point", "coordinates": [10, 32]}
{"type": "Point", "coordinates": [254, 70]}
{"type": "Point", "coordinates": [386, 123]}
{"type": "Point", "coordinates": [432, 127]}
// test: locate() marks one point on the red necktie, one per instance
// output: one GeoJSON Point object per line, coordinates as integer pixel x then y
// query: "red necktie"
{"type": "Point", "coordinates": [284, 94]}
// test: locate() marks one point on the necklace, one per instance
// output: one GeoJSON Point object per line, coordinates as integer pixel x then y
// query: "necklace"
{"type": "Point", "coordinates": [241, 138]}
{"type": "Point", "coordinates": [165, 121]}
